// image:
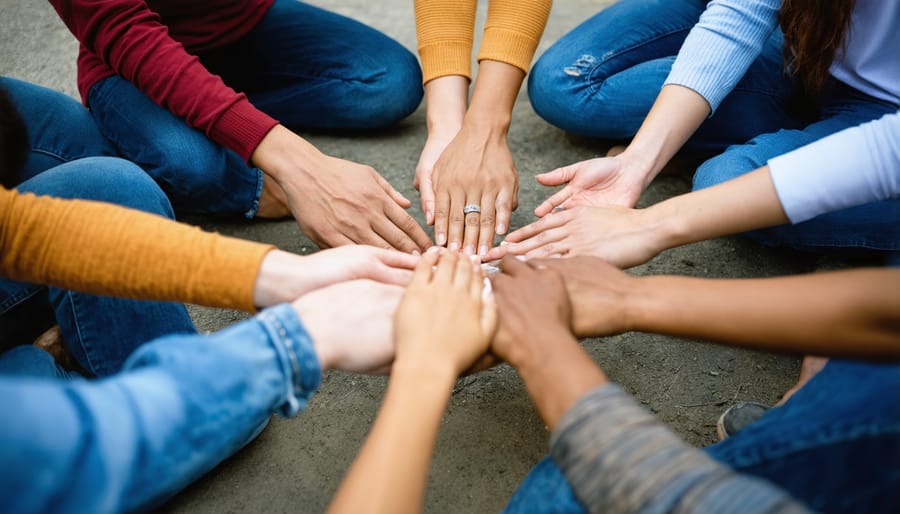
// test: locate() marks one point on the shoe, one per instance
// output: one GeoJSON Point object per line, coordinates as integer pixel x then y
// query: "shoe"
{"type": "Point", "coordinates": [739, 416]}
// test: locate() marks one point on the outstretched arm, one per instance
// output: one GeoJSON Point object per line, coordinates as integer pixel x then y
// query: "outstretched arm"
{"type": "Point", "coordinates": [843, 314]}
{"type": "Point", "coordinates": [603, 441]}
{"type": "Point", "coordinates": [443, 325]}
{"type": "Point", "coordinates": [466, 160]}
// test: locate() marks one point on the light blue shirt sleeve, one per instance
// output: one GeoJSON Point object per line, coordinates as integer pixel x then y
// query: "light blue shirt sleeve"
{"type": "Point", "coordinates": [722, 45]}
{"type": "Point", "coordinates": [855, 166]}
{"type": "Point", "coordinates": [182, 405]}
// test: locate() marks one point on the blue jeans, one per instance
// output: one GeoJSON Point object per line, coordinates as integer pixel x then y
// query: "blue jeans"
{"type": "Point", "coordinates": [601, 79]}
{"type": "Point", "coordinates": [181, 405]}
{"type": "Point", "coordinates": [834, 445]}
{"type": "Point", "coordinates": [304, 66]}
{"type": "Point", "coordinates": [100, 332]}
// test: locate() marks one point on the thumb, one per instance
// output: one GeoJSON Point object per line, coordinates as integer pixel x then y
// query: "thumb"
{"type": "Point", "coordinates": [556, 177]}
{"type": "Point", "coordinates": [401, 200]}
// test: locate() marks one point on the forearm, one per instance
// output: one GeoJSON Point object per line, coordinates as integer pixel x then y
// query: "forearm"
{"type": "Point", "coordinates": [130, 254]}
{"type": "Point", "coordinates": [745, 203]}
{"type": "Point", "coordinates": [606, 444]}
{"type": "Point", "coordinates": [494, 96]}
{"type": "Point", "coordinates": [128, 442]}
{"type": "Point", "coordinates": [557, 372]}
{"type": "Point", "coordinates": [390, 472]}
{"type": "Point", "coordinates": [446, 101]}
{"type": "Point", "coordinates": [675, 116]}
{"type": "Point", "coordinates": [848, 313]}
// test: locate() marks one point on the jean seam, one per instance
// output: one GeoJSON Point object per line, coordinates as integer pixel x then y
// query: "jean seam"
{"type": "Point", "coordinates": [76, 325]}
{"type": "Point", "coordinates": [17, 299]}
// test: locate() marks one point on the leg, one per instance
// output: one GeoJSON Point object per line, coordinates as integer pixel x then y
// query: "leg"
{"type": "Point", "coordinates": [834, 444]}
{"type": "Point", "coordinates": [100, 332]}
{"type": "Point", "coordinates": [310, 68]}
{"type": "Point", "coordinates": [601, 79]}
{"type": "Point", "coordinates": [196, 174]}
{"type": "Point", "coordinates": [545, 489]}
{"type": "Point", "coordinates": [59, 128]}
{"type": "Point", "coordinates": [870, 226]}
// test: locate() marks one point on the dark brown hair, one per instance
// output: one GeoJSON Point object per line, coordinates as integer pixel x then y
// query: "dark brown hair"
{"type": "Point", "coordinates": [813, 32]}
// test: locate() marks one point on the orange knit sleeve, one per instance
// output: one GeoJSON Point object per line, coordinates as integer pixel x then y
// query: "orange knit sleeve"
{"type": "Point", "coordinates": [445, 30]}
{"type": "Point", "coordinates": [513, 30]}
{"type": "Point", "coordinates": [105, 249]}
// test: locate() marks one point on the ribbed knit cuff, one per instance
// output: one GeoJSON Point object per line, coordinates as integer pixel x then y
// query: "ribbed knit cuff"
{"type": "Point", "coordinates": [446, 58]}
{"type": "Point", "coordinates": [241, 128]}
{"type": "Point", "coordinates": [508, 47]}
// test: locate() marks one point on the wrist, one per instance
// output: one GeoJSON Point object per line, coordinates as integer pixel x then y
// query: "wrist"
{"type": "Point", "coordinates": [282, 153]}
{"type": "Point", "coordinates": [642, 305]}
{"type": "Point", "coordinates": [278, 280]}
{"type": "Point", "coordinates": [533, 349]}
{"type": "Point", "coordinates": [424, 370]}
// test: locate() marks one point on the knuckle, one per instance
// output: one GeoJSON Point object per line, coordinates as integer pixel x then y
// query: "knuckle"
{"type": "Point", "coordinates": [487, 221]}
{"type": "Point", "coordinates": [472, 220]}
{"type": "Point", "coordinates": [456, 218]}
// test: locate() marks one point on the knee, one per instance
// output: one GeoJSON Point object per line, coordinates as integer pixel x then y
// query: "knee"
{"type": "Point", "coordinates": [549, 89]}
{"type": "Point", "coordinates": [105, 179]}
{"type": "Point", "coordinates": [393, 92]}
{"type": "Point", "coordinates": [734, 162]}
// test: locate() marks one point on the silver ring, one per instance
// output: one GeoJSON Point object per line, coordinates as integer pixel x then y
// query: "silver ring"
{"type": "Point", "coordinates": [471, 208]}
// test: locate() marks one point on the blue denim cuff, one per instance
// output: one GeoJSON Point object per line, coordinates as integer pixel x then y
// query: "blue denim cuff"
{"type": "Point", "coordinates": [297, 355]}
{"type": "Point", "coordinates": [254, 207]}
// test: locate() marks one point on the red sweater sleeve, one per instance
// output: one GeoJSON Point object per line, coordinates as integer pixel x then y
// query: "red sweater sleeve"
{"type": "Point", "coordinates": [130, 39]}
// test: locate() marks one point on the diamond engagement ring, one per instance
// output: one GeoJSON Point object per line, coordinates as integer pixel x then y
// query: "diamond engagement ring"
{"type": "Point", "coordinates": [471, 208]}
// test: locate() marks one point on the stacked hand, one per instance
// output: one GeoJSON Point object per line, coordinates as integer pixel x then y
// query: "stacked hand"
{"type": "Point", "coordinates": [445, 317]}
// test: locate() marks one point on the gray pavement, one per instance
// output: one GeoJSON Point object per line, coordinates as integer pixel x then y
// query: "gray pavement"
{"type": "Point", "coordinates": [491, 435]}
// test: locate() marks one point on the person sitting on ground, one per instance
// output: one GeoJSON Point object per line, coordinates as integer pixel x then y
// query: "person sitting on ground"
{"type": "Point", "coordinates": [466, 176]}
{"type": "Point", "coordinates": [832, 447]}
{"type": "Point", "coordinates": [204, 96]}
{"type": "Point", "coordinates": [840, 58]}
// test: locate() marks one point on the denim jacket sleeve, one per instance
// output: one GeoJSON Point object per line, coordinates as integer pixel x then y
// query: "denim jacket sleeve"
{"type": "Point", "coordinates": [182, 405]}
{"type": "Point", "coordinates": [619, 458]}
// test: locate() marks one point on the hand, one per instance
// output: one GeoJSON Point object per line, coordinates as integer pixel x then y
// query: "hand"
{"type": "Point", "coordinates": [284, 276]}
{"type": "Point", "coordinates": [351, 324]}
{"type": "Point", "coordinates": [435, 145]}
{"type": "Point", "coordinates": [445, 318]}
{"type": "Point", "coordinates": [599, 182]}
{"type": "Point", "coordinates": [600, 294]}
{"type": "Point", "coordinates": [624, 237]}
{"type": "Point", "coordinates": [476, 168]}
{"type": "Point", "coordinates": [338, 202]}
{"type": "Point", "coordinates": [534, 310]}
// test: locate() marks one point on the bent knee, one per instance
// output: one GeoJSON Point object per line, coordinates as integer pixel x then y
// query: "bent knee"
{"type": "Point", "coordinates": [393, 92]}
{"type": "Point", "coordinates": [734, 162]}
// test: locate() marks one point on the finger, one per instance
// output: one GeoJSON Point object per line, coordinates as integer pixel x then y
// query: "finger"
{"type": "Point", "coordinates": [410, 229]}
{"type": "Point", "coordinates": [393, 276]}
{"type": "Point", "coordinates": [463, 273]}
{"type": "Point", "coordinates": [395, 259]}
{"type": "Point", "coordinates": [446, 268]}
{"type": "Point", "coordinates": [556, 177]}
{"type": "Point", "coordinates": [395, 195]}
{"type": "Point", "coordinates": [504, 205]}
{"type": "Point", "coordinates": [476, 279]}
{"type": "Point", "coordinates": [488, 222]}
{"type": "Point", "coordinates": [456, 220]}
{"type": "Point", "coordinates": [332, 241]}
{"type": "Point", "coordinates": [471, 228]}
{"type": "Point", "coordinates": [441, 217]}
{"type": "Point", "coordinates": [489, 314]}
{"type": "Point", "coordinates": [541, 245]}
{"type": "Point", "coordinates": [423, 273]}
{"type": "Point", "coordinates": [426, 194]}
{"type": "Point", "coordinates": [558, 198]}
{"type": "Point", "coordinates": [542, 225]}
{"type": "Point", "coordinates": [513, 266]}
{"type": "Point", "coordinates": [387, 228]}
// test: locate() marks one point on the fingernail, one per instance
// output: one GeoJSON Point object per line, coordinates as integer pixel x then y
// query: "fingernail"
{"type": "Point", "coordinates": [415, 252]}
{"type": "Point", "coordinates": [428, 217]}
{"type": "Point", "coordinates": [441, 239]}
{"type": "Point", "coordinates": [503, 243]}
{"type": "Point", "coordinates": [433, 249]}
{"type": "Point", "coordinates": [521, 258]}
{"type": "Point", "coordinates": [501, 228]}
{"type": "Point", "coordinates": [454, 245]}
{"type": "Point", "coordinates": [469, 250]}
{"type": "Point", "coordinates": [483, 250]}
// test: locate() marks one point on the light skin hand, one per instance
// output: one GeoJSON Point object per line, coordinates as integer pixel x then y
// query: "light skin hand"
{"type": "Point", "coordinates": [446, 99]}
{"type": "Point", "coordinates": [444, 318]}
{"type": "Point", "coordinates": [624, 237]}
{"type": "Point", "coordinates": [599, 182]}
{"type": "Point", "coordinates": [337, 202]}
{"type": "Point", "coordinates": [284, 276]}
{"type": "Point", "coordinates": [477, 168]}
{"type": "Point", "coordinates": [351, 324]}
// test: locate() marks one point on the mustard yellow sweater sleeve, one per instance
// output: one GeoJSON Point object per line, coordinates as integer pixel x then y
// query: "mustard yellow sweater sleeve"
{"type": "Point", "coordinates": [105, 249]}
{"type": "Point", "coordinates": [445, 31]}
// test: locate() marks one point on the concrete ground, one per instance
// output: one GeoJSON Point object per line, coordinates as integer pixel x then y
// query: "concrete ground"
{"type": "Point", "coordinates": [491, 435]}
